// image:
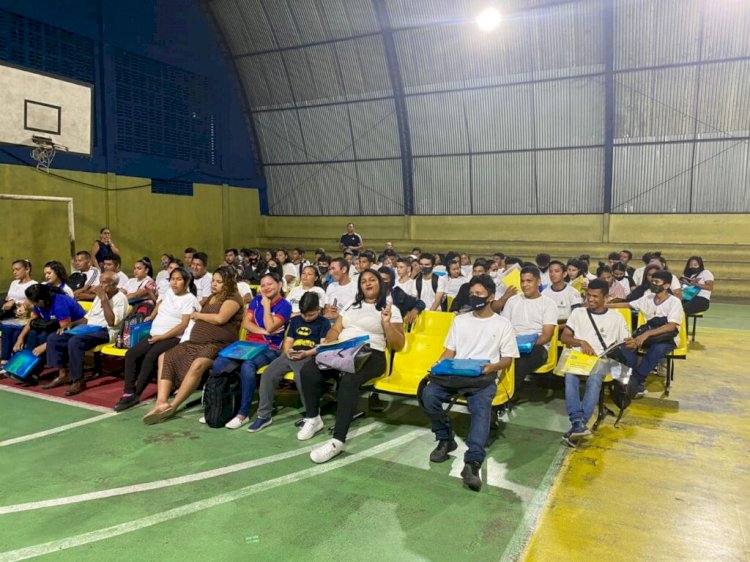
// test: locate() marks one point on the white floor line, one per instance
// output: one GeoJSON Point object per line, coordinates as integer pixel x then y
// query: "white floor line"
{"type": "Point", "coordinates": [176, 481]}
{"type": "Point", "coordinates": [58, 399]}
{"type": "Point", "coordinates": [46, 432]}
{"type": "Point", "coordinates": [151, 520]}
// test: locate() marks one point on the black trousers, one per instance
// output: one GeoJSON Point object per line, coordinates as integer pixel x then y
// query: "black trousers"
{"type": "Point", "coordinates": [141, 362]}
{"type": "Point", "coordinates": [696, 305]}
{"type": "Point", "coordinates": [527, 364]}
{"type": "Point", "coordinates": [347, 392]}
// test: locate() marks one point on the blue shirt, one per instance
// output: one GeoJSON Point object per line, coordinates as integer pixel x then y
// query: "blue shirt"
{"type": "Point", "coordinates": [281, 308]}
{"type": "Point", "coordinates": [307, 335]}
{"type": "Point", "coordinates": [63, 308]}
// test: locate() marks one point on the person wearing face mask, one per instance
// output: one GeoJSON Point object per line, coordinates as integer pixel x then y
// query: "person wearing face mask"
{"type": "Point", "coordinates": [620, 273]}
{"type": "Point", "coordinates": [430, 287]}
{"type": "Point", "coordinates": [542, 262]}
{"type": "Point", "coordinates": [643, 289]}
{"type": "Point", "coordinates": [324, 267]}
{"type": "Point", "coordinates": [659, 304]}
{"type": "Point", "coordinates": [695, 275]}
{"type": "Point", "coordinates": [565, 297]}
{"type": "Point", "coordinates": [482, 334]}
{"type": "Point", "coordinates": [255, 267]}
{"type": "Point", "coordinates": [581, 332]}
{"type": "Point", "coordinates": [531, 313]}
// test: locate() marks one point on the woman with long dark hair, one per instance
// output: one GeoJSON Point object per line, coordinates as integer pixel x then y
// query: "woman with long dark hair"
{"type": "Point", "coordinates": [373, 315]}
{"type": "Point", "coordinates": [696, 275]}
{"type": "Point", "coordinates": [643, 288]}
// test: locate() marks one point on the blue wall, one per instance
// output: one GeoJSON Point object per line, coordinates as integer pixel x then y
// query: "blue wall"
{"type": "Point", "coordinates": [173, 38]}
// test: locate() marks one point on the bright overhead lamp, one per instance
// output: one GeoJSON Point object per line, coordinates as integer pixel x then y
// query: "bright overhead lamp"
{"type": "Point", "coordinates": [489, 19]}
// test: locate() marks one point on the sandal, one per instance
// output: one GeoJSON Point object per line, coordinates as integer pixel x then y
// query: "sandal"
{"type": "Point", "coordinates": [159, 416]}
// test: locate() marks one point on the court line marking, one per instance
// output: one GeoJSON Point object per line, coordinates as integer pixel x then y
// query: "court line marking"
{"type": "Point", "coordinates": [526, 528]}
{"type": "Point", "coordinates": [168, 482]}
{"type": "Point", "coordinates": [188, 509]}
{"type": "Point", "coordinates": [46, 432]}
{"type": "Point", "coordinates": [58, 399]}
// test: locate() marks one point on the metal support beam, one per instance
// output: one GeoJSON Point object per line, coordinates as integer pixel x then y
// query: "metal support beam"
{"type": "Point", "coordinates": [609, 101]}
{"type": "Point", "coordinates": [402, 117]}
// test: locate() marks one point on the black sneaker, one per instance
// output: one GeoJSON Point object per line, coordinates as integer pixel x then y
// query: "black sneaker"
{"type": "Point", "coordinates": [470, 475]}
{"type": "Point", "coordinates": [440, 453]}
{"type": "Point", "coordinates": [127, 402]}
{"type": "Point", "coordinates": [374, 403]}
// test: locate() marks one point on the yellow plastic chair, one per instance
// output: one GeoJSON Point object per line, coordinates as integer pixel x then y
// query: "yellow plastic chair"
{"type": "Point", "coordinates": [449, 302]}
{"type": "Point", "coordinates": [680, 352]}
{"type": "Point", "coordinates": [627, 314]}
{"type": "Point", "coordinates": [433, 323]}
{"type": "Point", "coordinates": [552, 355]}
{"type": "Point", "coordinates": [505, 387]}
{"type": "Point", "coordinates": [85, 305]}
{"type": "Point", "coordinates": [422, 349]}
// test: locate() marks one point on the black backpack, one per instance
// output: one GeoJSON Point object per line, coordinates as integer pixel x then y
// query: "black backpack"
{"type": "Point", "coordinates": [138, 314]}
{"type": "Point", "coordinates": [434, 280]}
{"type": "Point", "coordinates": [221, 398]}
{"type": "Point", "coordinates": [76, 280]}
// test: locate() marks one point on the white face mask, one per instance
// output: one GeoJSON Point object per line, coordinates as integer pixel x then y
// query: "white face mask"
{"type": "Point", "coordinates": [494, 274]}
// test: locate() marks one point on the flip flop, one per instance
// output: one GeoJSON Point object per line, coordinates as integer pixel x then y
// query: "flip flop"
{"type": "Point", "coordinates": [158, 417]}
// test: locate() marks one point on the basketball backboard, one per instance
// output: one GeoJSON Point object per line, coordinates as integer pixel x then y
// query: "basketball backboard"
{"type": "Point", "coordinates": [40, 105]}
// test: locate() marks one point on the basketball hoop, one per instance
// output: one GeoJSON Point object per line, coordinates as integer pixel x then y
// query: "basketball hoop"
{"type": "Point", "coordinates": [44, 152]}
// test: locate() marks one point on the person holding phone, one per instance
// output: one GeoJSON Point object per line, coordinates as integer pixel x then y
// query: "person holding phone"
{"type": "Point", "coordinates": [372, 314]}
{"type": "Point", "coordinates": [306, 330]}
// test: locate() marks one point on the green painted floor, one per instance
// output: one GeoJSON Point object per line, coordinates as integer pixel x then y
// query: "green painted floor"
{"type": "Point", "coordinates": [390, 504]}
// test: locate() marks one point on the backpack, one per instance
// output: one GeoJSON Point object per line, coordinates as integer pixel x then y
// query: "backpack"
{"type": "Point", "coordinates": [222, 394]}
{"type": "Point", "coordinates": [77, 280]}
{"type": "Point", "coordinates": [139, 313]}
{"type": "Point", "coordinates": [434, 280]}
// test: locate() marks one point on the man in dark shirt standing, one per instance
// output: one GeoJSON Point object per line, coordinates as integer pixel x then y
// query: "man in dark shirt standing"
{"type": "Point", "coordinates": [350, 240]}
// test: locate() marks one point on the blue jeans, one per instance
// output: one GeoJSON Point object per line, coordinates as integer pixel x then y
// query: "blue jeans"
{"type": "Point", "coordinates": [581, 410]}
{"type": "Point", "coordinates": [480, 407]}
{"type": "Point", "coordinates": [649, 361]}
{"type": "Point", "coordinates": [10, 336]}
{"type": "Point", "coordinates": [67, 350]}
{"type": "Point", "coordinates": [248, 369]}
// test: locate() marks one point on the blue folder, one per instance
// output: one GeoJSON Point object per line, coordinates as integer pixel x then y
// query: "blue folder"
{"type": "Point", "coordinates": [83, 329]}
{"type": "Point", "coordinates": [460, 367]}
{"type": "Point", "coordinates": [347, 344]}
{"type": "Point", "coordinates": [243, 350]}
{"type": "Point", "coordinates": [526, 343]}
{"type": "Point", "coordinates": [22, 364]}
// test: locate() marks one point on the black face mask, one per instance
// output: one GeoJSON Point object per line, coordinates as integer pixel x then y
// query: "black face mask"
{"type": "Point", "coordinates": [477, 303]}
{"type": "Point", "coordinates": [323, 269]}
{"type": "Point", "coordinates": [656, 289]}
{"type": "Point", "coordinates": [426, 270]}
{"type": "Point", "coordinates": [692, 271]}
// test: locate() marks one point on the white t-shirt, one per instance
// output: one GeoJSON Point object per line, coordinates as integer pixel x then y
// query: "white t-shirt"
{"type": "Point", "coordinates": [529, 316]}
{"type": "Point", "coordinates": [438, 269]}
{"type": "Point", "coordinates": [121, 280]}
{"type": "Point", "coordinates": [65, 289]}
{"type": "Point", "coordinates": [92, 276]}
{"type": "Point", "coordinates": [204, 286]}
{"type": "Point", "coordinates": [95, 316]}
{"type": "Point", "coordinates": [671, 308]}
{"type": "Point", "coordinates": [17, 290]}
{"type": "Point", "coordinates": [453, 284]}
{"type": "Point", "coordinates": [638, 275]}
{"type": "Point", "coordinates": [162, 284]}
{"type": "Point", "coordinates": [590, 276]}
{"type": "Point", "coordinates": [611, 326]}
{"type": "Point", "coordinates": [243, 288]}
{"type": "Point", "coordinates": [408, 287]}
{"type": "Point", "coordinates": [482, 338]}
{"type": "Point", "coordinates": [163, 274]}
{"type": "Point", "coordinates": [703, 277]}
{"type": "Point", "coordinates": [544, 278]}
{"type": "Point", "coordinates": [428, 295]}
{"type": "Point", "coordinates": [466, 271]}
{"type": "Point", "coordinates": [343, 295]}
{"type": "Point", "coordinates": [171, 310]}
{"type": "Point", "coordinates": [367, 321]}
{"type": "Point", "coordinates": [295, 295]}
{"type": "Point", "coordinates": [290, 269]}
{"type": "Point", "coordinates": [133, 284]}
{"type": "Point", "coordinates": [564, 299]}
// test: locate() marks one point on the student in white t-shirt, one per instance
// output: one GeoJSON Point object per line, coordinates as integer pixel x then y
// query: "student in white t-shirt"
{"type": "Point", "coordinates": [543, 261]}
{"type": "Point", "coordinates": [579, 332]}
{"type": "Point", "coordinates": [341, 292]}
{"type": "Point", "coordinates": [309, 280]}
{"type": "Point", "coordinates": [531, 313]}
{"type": "Point", "coordinates": [201, 276]}
{"type": "Point", "coordinates": [291, 274]}
{"type": "Point", "coordinates": [370, 315]}
{"type": "Point", "coordinates": [164, 284]}
{"type": "Point", "coordinates": [430, 287]}
{"type": "Point", "coordinates": [16, 296]}
{"type": "Point", "coordinates": [169, 318]}
{"type": "Point", "coordinates": [480, 334]}
{"type": "Point", "coordinates": [696, 275]}
{"type": "Point", "coordinates": [454, 280]}
{"type": "Point", "coordinates": [403, 277]}
{"type": "Point", "coordinates": [139, 286]}
{"type": "Point", "coordinates": [659, 304]}
{"type": "Point", "coordinates": [565, 297]}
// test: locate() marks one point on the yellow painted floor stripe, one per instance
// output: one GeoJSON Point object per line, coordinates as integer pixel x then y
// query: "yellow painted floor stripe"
{"type": "Point", "coordinates": [673, 483]}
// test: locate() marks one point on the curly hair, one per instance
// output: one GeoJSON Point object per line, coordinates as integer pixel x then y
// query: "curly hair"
{"type": "Point", "coordinates": [229, 280]}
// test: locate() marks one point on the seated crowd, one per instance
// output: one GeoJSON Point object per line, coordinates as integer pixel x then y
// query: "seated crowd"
{"type": "Point", "coordinates": [291, 305]}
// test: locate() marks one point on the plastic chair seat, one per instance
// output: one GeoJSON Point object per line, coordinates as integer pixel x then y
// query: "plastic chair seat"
{"type": "Point", "coordinates": [411, 364]}
{"type": "Point", "coordinates": [110, 349]}
{"type": "Point", "coordinates": [552, 354]}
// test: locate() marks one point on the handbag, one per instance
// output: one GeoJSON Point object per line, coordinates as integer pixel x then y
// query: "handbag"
{"type": "Point", "coordinates": [24, 366]}
{"type": "Point", "coordinates": [653, 324]}
{"type": "Point", "coordinates": [689, 292]}
{"type": "Point", "coordinates": [42, 325]}
{"type": "Point", "coordinates": [347, 357]}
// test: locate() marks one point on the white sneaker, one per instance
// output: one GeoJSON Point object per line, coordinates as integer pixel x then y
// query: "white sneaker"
{"type": "Point", "coordinates": [326, 452]}
{"type": "Point", "coordinates": [237, 422]}
{"type": "Point", "coordinates": [202, 419]}
{"type": "Point", "coordinates": [309, 428]}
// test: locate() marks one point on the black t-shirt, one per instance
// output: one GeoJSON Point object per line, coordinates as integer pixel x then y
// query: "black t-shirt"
{"type": "Point", "coordinates": [351, 240]}
{"type": "Point", "coordinates": [307, 335]}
